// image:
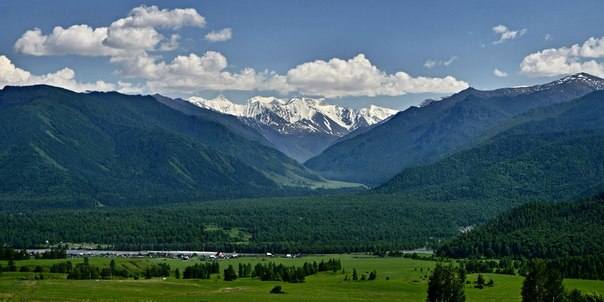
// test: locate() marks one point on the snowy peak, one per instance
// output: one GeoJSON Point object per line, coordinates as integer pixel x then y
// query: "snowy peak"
{"type": "Point", "coordinates": [582, 78]}
{"type": "Point", "coordinates": [220, 104]}
{"type": "Point", "coordinates": [579, 82]}
{"type": "Point", "coordinates": [298, 114]}
{"type": "Point", "coordinates": [375, 114]}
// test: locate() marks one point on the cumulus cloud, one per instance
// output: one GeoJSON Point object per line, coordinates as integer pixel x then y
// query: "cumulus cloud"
{"type": "Point", "coordinates": [15, 76]}
{"type": "Point", "coordinates": [434, 63]}
{"type": "Point", "coordinates": [359, 77]}
{"type": "Point", "coordinates": [77, 39]}
{"type": "Point", "coordinates": [135, 33]}
{"type": "Point", "coordinates": [152, 16]}
{"type": "Point", "coordinates": [193, 72]}
{"type": "Point", "coordinates": [220, 36]}
{"type": "Point", "coordinates": [334, 78]}
{"type": "Point", "coordinates": [134, 43]}
{"type": "Point", "coordinates": [500, 73]}
{"type": "Point", "coordinates": [576, 58]}
{"type": "Point", "coordinates": [506, 34]}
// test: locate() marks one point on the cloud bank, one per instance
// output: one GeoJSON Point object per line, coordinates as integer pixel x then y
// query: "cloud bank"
{"type": "Point", "coordinates": [137, 43]}
{"type": "Point", "coordinates": [15, 76]}
{"type": "Point", "coordinates": [584, 57]}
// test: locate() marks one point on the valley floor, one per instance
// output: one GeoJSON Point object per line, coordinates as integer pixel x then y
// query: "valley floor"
{"type": "Point", "coordinates": [398, 279]}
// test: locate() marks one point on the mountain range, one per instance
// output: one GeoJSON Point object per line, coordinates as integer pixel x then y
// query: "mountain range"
{"type": "Point", "coordinates": [501, 147]}
{"type": "Point", "coordinates": [423, 135]}
{"type": "Point", "coordinates": [65, 149]}
{"type": "Point", "coordinates": [300, 127]}
{"type": "Point", "coordinates": [547, 154]}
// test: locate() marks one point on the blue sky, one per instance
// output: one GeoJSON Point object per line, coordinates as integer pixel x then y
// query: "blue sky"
{"type": "Point", "coordinates": [430, 39]}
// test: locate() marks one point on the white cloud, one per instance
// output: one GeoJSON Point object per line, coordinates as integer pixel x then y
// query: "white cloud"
{"type": "Point", "coordinates": [132, 38]}
{"type": "Point", "coordinates": [132, 44]}
{"type": "Point", "coordinates": [333, 78]}
{"type": "Point", "coordinates": [193, 73]}
{"type": "Point", "coordinates": [566, 60]}
{"type": "Point", "coordinates": [547, 37]}
{"type": "Point", "coordinates": [77, 39]}
{"type": "Point", "coordinates": [359, 77]}
{"type": "Point", "coordinates": [433, 63]}
{"type": "Point", "coordinates": [152, 16]}
{"type": "Point", "coordinates": [500, 73]}
{"type": "Point", "coordinates": [15, 76]}
{"type": "Point", "coordinates": [506, 34]}
{"type": "Point", "coordinates": [220, 36]}
{"type": "Point", "coordinates": [137, 32]}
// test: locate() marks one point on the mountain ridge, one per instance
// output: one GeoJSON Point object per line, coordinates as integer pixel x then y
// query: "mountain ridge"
{"type": "Point", "coordinates": [551, 154]}
{"type": "Point", "coordinates": [422, 135]}
{"type": "Point", "coordinates": [66, 149]}
{"type": "Point", "coordinates": [301, 127]}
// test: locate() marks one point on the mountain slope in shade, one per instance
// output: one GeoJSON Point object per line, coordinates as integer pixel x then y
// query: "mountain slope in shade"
{"type": "Point", "coordinates": [61, 148]}
{"type": "Point", "coordinates": [543, 230]}
{"type": "Point", "coordinates": [300, 127]}
{"type": "Point", "coordinates": [422, 135]}
{"type": "Point", "coordinates": [551, 154]}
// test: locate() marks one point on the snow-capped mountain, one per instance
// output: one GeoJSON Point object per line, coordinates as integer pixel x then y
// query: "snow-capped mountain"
{"type": "Point", "coordinates": [300, 127]}
{"type": "Point", "coordinates": [299, 114]}
{"type": "Point", "coordinates": [575, 84]}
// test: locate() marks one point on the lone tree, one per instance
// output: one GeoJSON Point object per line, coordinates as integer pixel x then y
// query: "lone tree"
{"type": "Point", "coordinates": [355, 276]}
{"type": "Point", "coordinates": [230, 274]}
{"type": "Point", "coordinates": [543, 283]}
{"type": "Point", "coordinates": [480, 282]}
{"type": "Point", "coordinates": [446, 284]}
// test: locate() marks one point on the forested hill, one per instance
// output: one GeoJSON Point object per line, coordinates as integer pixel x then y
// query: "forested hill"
{"type": "Point", "coordinates": [423, 135]}
{"type": "Point", "coordinates": [550, 154]}
{"type": "Point", "coordinates": [65, 149]}
{"type": "Point", "coordinates": [545, 230]}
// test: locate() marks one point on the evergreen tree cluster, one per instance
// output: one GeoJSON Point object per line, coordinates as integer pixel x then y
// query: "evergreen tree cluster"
{"type": "Point", "coordinates": [578, 296]}
{"type": "Point", "coordinates": [581, 267]}
{"type": "Point", "coordinates": [87, 271]}
{"type": "Point", "coordinates": [7, 253]}
{"type": "Point", "coordinates": [505, 266]}
{"type": "Point", "coordinates": [279, 272]}
{"type": "Point", "coordinates": [201, 270]}
{"type": "Point", "coordinates": [245, 270]}
{"type": "Point", "coordinates": [62, 267]}
{"type": "Point", "coordinates": [157, 270]}
{"type": "Point", "coordinates": [536, 230]}
{"type": "Point", "coordinates": [446, 284]}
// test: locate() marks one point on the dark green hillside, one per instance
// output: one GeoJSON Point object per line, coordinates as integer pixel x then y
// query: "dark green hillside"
{"type": "Point", "coordinates": [66, 149]}
{"type": "Point", "coordinates": [423, 135]}
{"type": "Point", "coordinates": [543, 230]}
{"type": "Point", "coordinates": [554, 154]}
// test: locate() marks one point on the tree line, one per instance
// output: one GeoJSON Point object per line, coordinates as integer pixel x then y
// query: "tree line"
{"type": "Point", "coordinates": [543, 283]}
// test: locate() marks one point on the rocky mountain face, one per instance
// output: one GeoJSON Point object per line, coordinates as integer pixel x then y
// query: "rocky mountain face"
{"type": "Point", "coordinates": [300, 127]}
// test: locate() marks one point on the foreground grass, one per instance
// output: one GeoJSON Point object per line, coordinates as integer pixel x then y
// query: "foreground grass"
{"type": "Point", "coordinates": [407, 282]}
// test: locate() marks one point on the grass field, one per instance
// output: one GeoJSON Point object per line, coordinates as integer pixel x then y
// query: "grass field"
{"type": "Point", "coordinates": [407, 282]}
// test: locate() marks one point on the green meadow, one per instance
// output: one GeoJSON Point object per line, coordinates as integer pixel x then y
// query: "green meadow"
{"type": "Point", "coordinates": [398, 279]}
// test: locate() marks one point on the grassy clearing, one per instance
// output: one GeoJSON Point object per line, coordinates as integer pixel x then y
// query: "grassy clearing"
{"type": "Point", "coordinates": [407, 283]}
